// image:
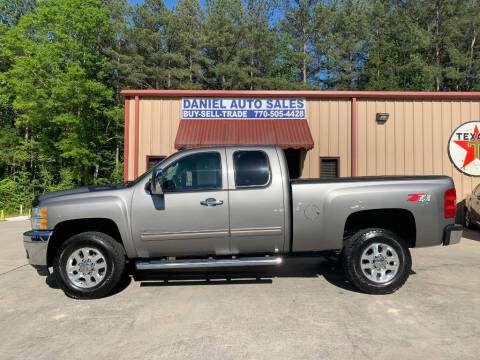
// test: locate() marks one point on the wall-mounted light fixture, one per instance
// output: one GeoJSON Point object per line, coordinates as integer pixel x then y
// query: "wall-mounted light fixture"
{"type": "Point", "coordinates": [382, 117]}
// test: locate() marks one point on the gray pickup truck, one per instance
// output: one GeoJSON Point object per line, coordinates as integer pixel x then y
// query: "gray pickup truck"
{"type": "Point", "coordinates": [224, 207]}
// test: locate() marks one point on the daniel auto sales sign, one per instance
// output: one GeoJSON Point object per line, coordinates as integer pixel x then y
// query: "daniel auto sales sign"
{"type": "Point", "coordinates": [464, 148]}
{"type": "Point", "coordinates": [243, 108]}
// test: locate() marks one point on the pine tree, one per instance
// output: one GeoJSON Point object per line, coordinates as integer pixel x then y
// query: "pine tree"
{"type": "Point", "coordinates": [472, 73]}
{"type": "Point", "coordinates": [185, 30]}
{"type": "Point", "coordinates": [148, 43]}
{"type": "Point", "coordinates": [322, 42]}
{"type": "Point", "coordinates": [445, 23]}
{"type": "Point", "coordinates": [299, 27]}
{"type": "Point", "coordinates": [395, 48]}
{"type": "Point", "coordinates": [345, 58]}
{"type": "Point", "coordinates": [224, 35]}
{"type": "Point", "coordinates": [259, 50]}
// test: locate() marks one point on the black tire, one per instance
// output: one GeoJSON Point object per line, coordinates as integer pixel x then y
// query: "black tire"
{"type": "Point", "coordinates": [355, 246]}
{"type": "Point", "coordinates": [467, 219]}
{"type": "Point", "coordinates": [114, 256]}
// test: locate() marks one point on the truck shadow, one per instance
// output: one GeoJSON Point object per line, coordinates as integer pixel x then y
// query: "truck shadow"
{"type": "Point", "coordinates": [51, 281]}
{"type": "Point", "coordinates": [471, 234]}
{"type": "Point", "coordinates": [329, 268]}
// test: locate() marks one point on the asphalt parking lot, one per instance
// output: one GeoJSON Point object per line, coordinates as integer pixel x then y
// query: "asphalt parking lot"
{"type": "Point", "coordinates": [303, 312]}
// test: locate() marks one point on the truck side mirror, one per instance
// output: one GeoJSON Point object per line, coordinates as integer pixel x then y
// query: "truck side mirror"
{"type": "Point", "coordinates": [156, 182]}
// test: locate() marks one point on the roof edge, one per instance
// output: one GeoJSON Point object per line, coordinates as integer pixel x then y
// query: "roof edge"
{"type": "Point", "coordinates": [306, 94]}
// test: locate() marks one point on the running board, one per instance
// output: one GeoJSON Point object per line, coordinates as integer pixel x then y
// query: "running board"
{"type": "Point", "coordinates": [207, 263]}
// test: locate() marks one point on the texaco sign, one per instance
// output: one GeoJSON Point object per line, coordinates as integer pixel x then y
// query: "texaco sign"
{"type": "Point", "coordinates": [464, 148]}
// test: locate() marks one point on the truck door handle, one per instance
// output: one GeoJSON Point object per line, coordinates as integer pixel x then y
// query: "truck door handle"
{"type": "Point", "coordinates": [211, 202]}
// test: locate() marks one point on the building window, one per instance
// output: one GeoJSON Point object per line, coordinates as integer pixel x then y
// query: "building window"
{"type": "Point", "coordinates": [329, 167]}
{"type": "Point", "coordinates": [153, 160]}
{"type": "Point", "coordinates": [251, 168]}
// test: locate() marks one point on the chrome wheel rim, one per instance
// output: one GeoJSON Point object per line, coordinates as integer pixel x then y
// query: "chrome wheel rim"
{"type": "Point", "coordinates": [379, 263]}
{"type": "Point", "coordinates": [86, 267]}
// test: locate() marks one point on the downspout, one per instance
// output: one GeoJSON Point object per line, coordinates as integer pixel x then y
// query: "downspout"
{"type": "Point", "coordinates": [353, 135]}
{"type": "Point", "coordinates": [137, 132]}
{"type": "Point", "coordinates": [126, 138]}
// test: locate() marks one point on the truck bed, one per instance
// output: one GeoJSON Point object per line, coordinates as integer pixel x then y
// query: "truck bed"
{"type": "Point", "coordinates": [321, 208]}
{"type": "Point", "coordinates": [368, 178]}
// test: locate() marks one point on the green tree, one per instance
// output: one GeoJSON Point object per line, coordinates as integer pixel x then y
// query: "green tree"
{"type": "Point", "coordinates": [395, 48]}
{"type": "Point", "coordinates": [345, 57]}
{"type": "Point", "coordinates": [224, 31]}
{"type": "Point", "coordinates": [299, 28]}
{"type": "Point", "coordinates": [186, 29]}
{"type": "Point", "coordinates": [12, 10]}
{"type": "Point", "coordinates": [147, 43]}
{"type": "Point", "coordinates": [445, 23]}
{"type": "Point", "coordinates": [63, 109]}
{"type": "Point", "coordinates": [472, 73]}
{"type": "Point", "coordinates": [260, 47]}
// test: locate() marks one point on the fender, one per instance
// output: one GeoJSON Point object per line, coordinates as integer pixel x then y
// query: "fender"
{"type": "Point", "coordinates": [112, 205]}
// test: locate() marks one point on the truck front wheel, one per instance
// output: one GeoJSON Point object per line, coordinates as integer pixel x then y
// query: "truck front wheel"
{"type": "Point", "coordinates": [89, 265]}
{"type": "Point", "coordinates": [376, 261]}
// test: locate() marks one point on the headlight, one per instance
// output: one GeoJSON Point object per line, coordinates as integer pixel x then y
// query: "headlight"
{"type": "Point", "coordinates": [39, 218]}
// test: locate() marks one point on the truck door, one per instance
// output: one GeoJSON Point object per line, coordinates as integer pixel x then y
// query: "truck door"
{"type": "Point", "coordinates": [191, 217]}
{"type": "Point", "coordinates": [256, 200]}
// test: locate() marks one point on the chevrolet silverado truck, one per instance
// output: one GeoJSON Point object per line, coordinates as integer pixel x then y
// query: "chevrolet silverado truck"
{"type": "Point", "coordinates": [236, 206]}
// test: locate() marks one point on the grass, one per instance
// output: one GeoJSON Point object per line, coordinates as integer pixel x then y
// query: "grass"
{"type": "Point", "coordinates": [15, 213]}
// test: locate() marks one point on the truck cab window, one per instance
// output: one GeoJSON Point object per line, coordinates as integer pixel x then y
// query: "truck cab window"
{"type": "Point", "coordinates": [200, 171]}
{"type": "Point", "coordinates": [251, 168]}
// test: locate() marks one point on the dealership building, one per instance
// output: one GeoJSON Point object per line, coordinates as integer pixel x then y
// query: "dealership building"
{"type": "Point", "coordinates": [324, 133]}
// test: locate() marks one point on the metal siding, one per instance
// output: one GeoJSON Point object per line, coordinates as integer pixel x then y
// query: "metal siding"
{"type": "Point", "coordinates": [390, 143]}
{"type": "Point", "coordinates": [414, 139]}
{"type": "Point", "coordinates": [409, 138]}
{"type": "Point", "coordinates": [330, 125]}
{"type": "Point", "coordinates": [145, 131]}
{"type": "Point", "coordinates": [158, 124]}
{"type": "Point", "coordinates": [436, 121]}
{"type": "Point", "coordinates": [399, 133]}
{"type": "Point", "coordinates": [412, 142]}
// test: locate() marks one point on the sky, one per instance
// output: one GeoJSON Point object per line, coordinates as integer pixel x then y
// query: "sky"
{"type": "Point", "coordinates": [169, 3]}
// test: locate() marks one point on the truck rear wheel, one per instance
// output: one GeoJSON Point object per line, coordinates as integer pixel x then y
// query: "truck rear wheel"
{"type": "Point", "coordinates": [376, 261]}
{"type": "Point", "coordinates": [89, 265]}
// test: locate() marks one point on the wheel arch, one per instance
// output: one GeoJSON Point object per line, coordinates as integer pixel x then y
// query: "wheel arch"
{"type": "Point", "coordinates": [397, 220]}
{"type": "Point", "coordinates": [66, 229]}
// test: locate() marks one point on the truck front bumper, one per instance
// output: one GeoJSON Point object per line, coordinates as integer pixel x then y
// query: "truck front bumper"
{"type": "Point", "coordinates": [452, 234]}
{"type": "Point", "coordinates": [36, 244]}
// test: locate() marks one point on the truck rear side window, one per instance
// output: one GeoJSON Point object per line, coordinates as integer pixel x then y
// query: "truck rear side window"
{"type": "Point", "coordinates": [251, 168]}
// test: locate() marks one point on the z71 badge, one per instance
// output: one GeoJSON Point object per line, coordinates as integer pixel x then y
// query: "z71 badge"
{"type": "Point", "coordinates": [423, 198]}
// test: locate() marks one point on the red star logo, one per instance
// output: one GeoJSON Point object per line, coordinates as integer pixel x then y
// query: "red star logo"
{"type": "Point", "coordinates": [471, 146]}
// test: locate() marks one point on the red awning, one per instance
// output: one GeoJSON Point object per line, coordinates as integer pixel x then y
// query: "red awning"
{"type": "Point", "coordinates": [291, 133]}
